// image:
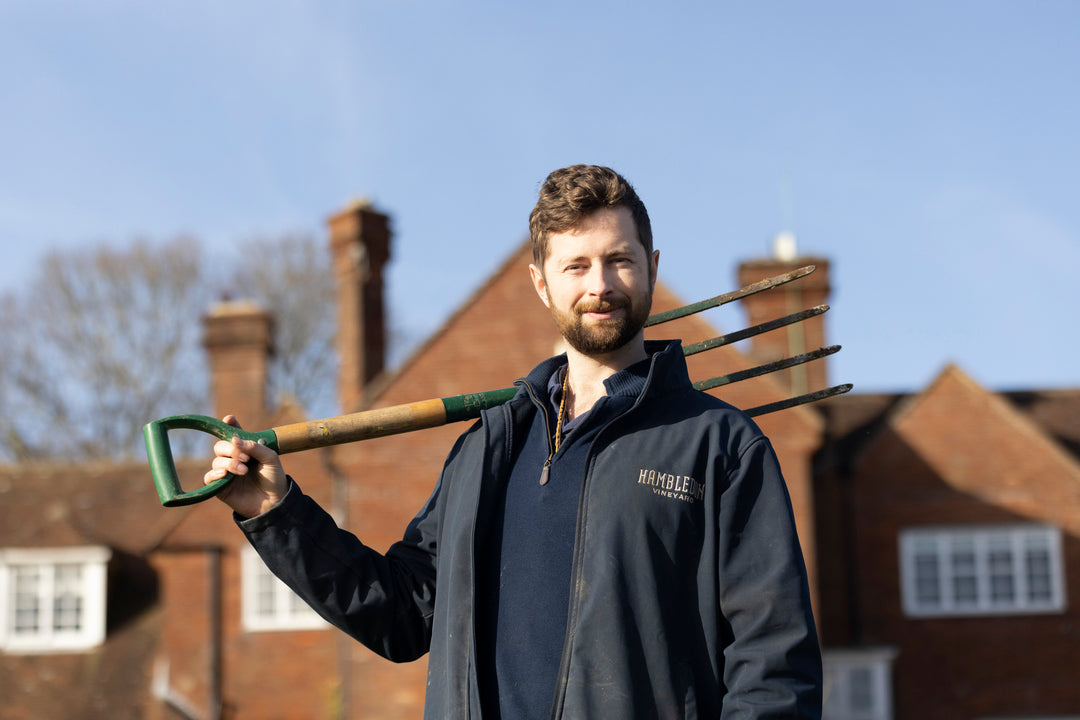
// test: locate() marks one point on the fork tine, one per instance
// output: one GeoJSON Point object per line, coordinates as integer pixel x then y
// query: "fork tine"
{"type": "Point", "coordinates": [753, 372]}
{"type": "Point", "coordinates": [749, 332]}
{"type": "Point", "coordinates": [800, 400]}
{"type": "Point", "coordinates": [745, 291]}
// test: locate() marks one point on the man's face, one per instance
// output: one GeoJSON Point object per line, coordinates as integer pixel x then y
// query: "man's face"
{"type": "Point", "coordinates": [597, 281]}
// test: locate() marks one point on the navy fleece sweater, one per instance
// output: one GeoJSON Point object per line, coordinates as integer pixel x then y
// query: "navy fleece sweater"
{"type": "Point", "coordinates": [527, 552]}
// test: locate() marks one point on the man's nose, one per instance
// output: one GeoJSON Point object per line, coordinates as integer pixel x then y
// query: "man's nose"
{"type": "Point", "coordinates": [600, 280]}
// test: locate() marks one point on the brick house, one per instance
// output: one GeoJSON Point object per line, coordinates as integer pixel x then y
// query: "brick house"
{"type": "Point", "coordinates": [952, 526]}
{"type": "Point", "coordinates": [940, 529]}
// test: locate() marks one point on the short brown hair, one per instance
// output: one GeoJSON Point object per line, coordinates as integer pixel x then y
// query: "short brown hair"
{"type": "Point", "coordinates": [572, 193]}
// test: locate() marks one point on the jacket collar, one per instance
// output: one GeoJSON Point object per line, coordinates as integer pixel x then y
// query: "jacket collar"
{"type": "Point", "coordinates": [666, 372]}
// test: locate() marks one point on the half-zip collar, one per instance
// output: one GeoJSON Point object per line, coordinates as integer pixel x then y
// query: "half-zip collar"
{"type": "Point", "coordinates": [629, 382]}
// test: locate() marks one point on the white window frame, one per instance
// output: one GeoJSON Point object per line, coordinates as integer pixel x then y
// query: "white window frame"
{"type": "Point", "coordinates": [87, 588]}
{"type": "Point", "coordinates": [964, 568]}
{"type": "Point", "coordinates": [852, 670]}
{"type": "Point", "coordinates": [268, 604]}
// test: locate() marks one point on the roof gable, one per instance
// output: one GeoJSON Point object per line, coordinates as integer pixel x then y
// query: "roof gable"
{"type": "Point", "coordinates": [979, 444]}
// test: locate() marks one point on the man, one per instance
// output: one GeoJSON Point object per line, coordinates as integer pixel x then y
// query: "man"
{"type": "Point", "coordinates": [609, 544]}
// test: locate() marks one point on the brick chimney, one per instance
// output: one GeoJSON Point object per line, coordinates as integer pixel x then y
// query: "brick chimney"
{"type": "Point", "coordinates": [238, 337]}
{"type": "Point", "coordinates": [360, 245]}
{"type": "Point", "coordinates": [798, 295]}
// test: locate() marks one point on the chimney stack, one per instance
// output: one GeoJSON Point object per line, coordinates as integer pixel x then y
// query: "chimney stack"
{"type": "Point", "coordinates": [238, 337]}
{"type": "Point", "coordinates": [806, 292]}
{"type": "Point", "coordinates": [360, 246]}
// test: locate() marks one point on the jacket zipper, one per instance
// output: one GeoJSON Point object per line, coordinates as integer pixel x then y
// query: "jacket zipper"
{"type": "Point", "coordinates": [545, 472]}
{"type": "Point", "coordinates": [563, 676]}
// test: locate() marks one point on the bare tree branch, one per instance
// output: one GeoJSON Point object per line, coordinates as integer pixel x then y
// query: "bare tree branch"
{"type": "Point", "coordinates": [106, 339]}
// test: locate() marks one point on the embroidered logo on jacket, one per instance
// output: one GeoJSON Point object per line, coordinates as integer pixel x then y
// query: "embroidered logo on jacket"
{"type": "Point", "coordinates": [675, 487]}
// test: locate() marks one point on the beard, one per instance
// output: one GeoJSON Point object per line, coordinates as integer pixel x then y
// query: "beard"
{"type": "Point", "coordinates": [603, 336]}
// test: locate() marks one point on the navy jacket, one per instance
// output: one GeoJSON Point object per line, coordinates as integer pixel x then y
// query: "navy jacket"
{"type": "Point", "coordinates": [689, 596]}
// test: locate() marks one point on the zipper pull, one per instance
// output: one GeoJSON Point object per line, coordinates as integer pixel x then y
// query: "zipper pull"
{"type": "Point", "coordinates": [545, 473]}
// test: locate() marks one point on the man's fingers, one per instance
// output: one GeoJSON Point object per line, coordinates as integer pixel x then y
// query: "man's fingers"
{"type": "Point", "coordinates": [231, 448]}
{"type": "Point", "coordinates": [244, 450]}
{"type": "Point", "coordinates": [243, 453]}
{"type": "Point", "coordinates": [236, 466]}
{"type": "Point", "coordinates": [221, 464]}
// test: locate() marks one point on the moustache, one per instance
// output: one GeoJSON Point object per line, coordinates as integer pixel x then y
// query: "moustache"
{"type": "Point", "coordinates": [600, 306]}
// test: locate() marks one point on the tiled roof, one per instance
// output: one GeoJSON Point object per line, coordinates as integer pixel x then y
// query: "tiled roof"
{"type": "Point", "coordinates": [61, 505]}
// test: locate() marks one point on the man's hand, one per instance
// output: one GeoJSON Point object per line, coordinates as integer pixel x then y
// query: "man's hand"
{"type": "Point", "coordinates": [260, 479]}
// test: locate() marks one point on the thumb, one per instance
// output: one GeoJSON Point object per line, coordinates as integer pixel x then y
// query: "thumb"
{"type": "Point", "coordinates": [258, 451]}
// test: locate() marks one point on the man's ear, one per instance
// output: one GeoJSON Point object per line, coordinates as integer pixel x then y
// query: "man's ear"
{"type": "Point", "coordinates": [654, 264]}
{"type": "Point", "coordinates": [539, 284]}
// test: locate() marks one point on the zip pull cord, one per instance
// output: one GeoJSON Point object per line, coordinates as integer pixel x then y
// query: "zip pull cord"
{"type": "Point", "coordinates": [562, 408]}
{"type": "Point", "coordinates": [545, 474]}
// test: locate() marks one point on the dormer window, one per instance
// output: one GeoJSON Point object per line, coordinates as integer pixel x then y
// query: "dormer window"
{"type": "Point", "coordinates": [52, 599]}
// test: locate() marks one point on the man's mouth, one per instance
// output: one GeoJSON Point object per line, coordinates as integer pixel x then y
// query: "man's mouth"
{"type": "Point", "coordinates": [601, 310]}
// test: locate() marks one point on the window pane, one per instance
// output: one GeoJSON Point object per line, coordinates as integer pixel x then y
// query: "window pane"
{"type": "Point", "coordinates": [27, 580]}
{"type": "Point", "coordinates": [927, 582]}
{"type": "Point", "coordinates": [861, 688]}
{"type": "Point", "coordinates": [67, 599]}
{"type": "Point", "coordinates": [264, 594]}
{"type": "Point", "coordinates": [67, 613]}
{"type": "Point", "coordinates": [1000, 563]}
{"type": "Point", "coordinates": [1038, 570]}
{"type": "Point", "coordinates": [965, 585]}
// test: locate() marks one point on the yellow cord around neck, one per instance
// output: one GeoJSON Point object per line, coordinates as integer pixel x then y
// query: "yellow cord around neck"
{"type": "Point", "coordinates": [562, 406]}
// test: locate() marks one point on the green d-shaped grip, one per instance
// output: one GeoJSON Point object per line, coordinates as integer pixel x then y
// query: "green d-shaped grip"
{"type": "Point", "coordinates": [163, 468]}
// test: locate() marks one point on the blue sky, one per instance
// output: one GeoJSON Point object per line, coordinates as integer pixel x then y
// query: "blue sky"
{"type": "Point", "coordinates": [929, 150]}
